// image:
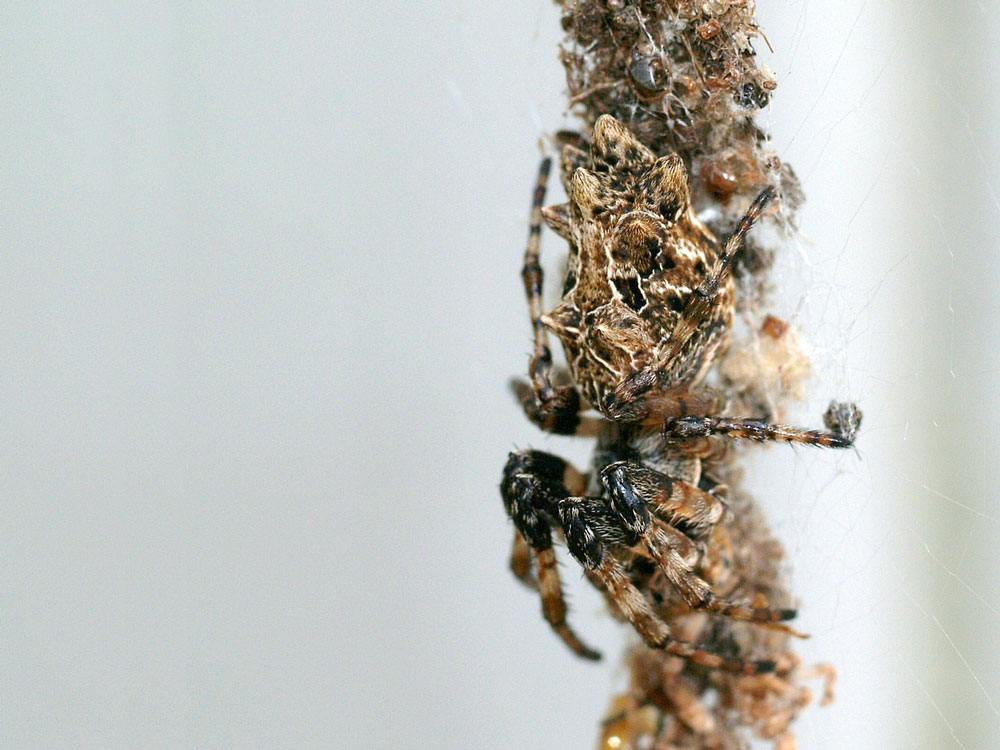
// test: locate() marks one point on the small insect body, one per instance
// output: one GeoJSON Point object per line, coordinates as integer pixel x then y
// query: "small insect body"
{"type": "Point", "coordinates": [647, 304]}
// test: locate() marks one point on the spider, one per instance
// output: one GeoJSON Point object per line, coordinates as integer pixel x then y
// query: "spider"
{"type": "Point", "coordinates": [647, 303]}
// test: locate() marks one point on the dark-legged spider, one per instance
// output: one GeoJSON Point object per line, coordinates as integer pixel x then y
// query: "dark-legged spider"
{"type": "Point", "coordinates": [647, 304]}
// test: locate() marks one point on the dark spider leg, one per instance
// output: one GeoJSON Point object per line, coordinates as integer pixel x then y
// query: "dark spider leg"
{"type": "Point", "coordinates": [532, 484]}
{"type": "Point", "coordinates": [559, 420]}
{"type": "Point", "coordinates": [674, 500]}
{"type": "Point", "coordinates": [533, 493]}
{"type": "Point", "coordinates": [703, 295]}
{"type": "Point", "coordinates": [520, 561]}
{"type": "Point", "coordinates": [628, 485]}
{"type": "Point", "coordinates": [553, 408]}
{"type": "Point", "coordinates": [684, 428]}
{"type": "Point", "coordinates": [584, 522]}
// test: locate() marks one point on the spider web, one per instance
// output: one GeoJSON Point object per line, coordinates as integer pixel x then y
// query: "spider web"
{"type": "Point", "coordinates": [894, 548]}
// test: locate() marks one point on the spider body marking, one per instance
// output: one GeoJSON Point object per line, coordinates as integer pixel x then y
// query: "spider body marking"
{"type": "Point", "coordinates": [647, 304]}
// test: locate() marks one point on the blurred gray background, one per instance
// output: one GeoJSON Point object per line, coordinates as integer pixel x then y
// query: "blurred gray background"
{"type": "Point", "coordinates": [260, 302]}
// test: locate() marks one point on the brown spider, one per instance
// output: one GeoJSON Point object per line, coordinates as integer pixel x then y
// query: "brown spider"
{"type": "Point", "coordinates": [647, 304]}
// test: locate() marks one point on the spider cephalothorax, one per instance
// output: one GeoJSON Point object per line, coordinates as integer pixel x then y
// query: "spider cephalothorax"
{"type": "Point", "coordinates": [647, 302]}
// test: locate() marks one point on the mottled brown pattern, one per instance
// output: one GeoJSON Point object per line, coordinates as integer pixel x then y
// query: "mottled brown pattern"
{"type": "Point", "coordinates": [635, 245]}
{"type": "Point", "coordinates": [638, 252]}
{"type": "Point", "coordinates": [660, 524]}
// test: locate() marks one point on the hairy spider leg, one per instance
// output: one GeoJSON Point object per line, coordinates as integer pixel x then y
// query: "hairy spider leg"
{"type": "Point", "coordinates": [704, 294]}
{"type": "Point", "coordinates": [520, 554]}
{"type": "Point", "coordinates": [533, 495]}
{"type": "Point", "coordinates": [636, 490]}
{"type": "Point", "coordinates": [644, 396]}
{"type": "Point", "coordinates": [690, 427]}
{"type": "Point", "coordinates": [532, 483]}
{"type": "Point", "coordinates": [553, 408]}
{"type": "Point", "coordinates": [520, 561]}
{"type": "Point", "coordinates": [637, 608]}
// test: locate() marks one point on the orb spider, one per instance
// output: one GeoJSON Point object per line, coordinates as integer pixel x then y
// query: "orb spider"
{"type": "Point", "coordinates": [647, 304]}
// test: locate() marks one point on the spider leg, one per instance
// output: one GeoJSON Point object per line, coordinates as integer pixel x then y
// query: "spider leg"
{"type": "Point", "coordinates": [520, 561]}
{"type": "Point", "coordinates": [672, 499]}
{"type": "Point", "coordinates": [671, 550]}
{"type": "Point", "coordinates": [587, 524]}
{"type": "Point", "coordinates": [532, 484]}
{"type": "Point", "coordinates": [688, 427]}
{"type": "Point", "coordinates": [655, 631]}
{"type": "Point", "coordinates": [559, 416]}
{"type": "Point", "coordinates": [554, 604]}
{"type": "Point", "coordinates": [704, 294]}
{"type": "Point", "coordinates": [652, 390]}
{"type": "Point", "coordinates": [635, 490]}
{"type": "Point", "coordinates": [535, 495]}
{"type": "Point", "coordinates": [554, 408]}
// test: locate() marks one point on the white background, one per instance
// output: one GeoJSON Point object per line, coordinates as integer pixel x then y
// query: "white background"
{"type": "Point", "coordinates": [260, 301]}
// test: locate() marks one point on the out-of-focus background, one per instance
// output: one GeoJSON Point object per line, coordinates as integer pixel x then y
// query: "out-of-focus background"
{"type": "Point", "coordinates": [260, 301]}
